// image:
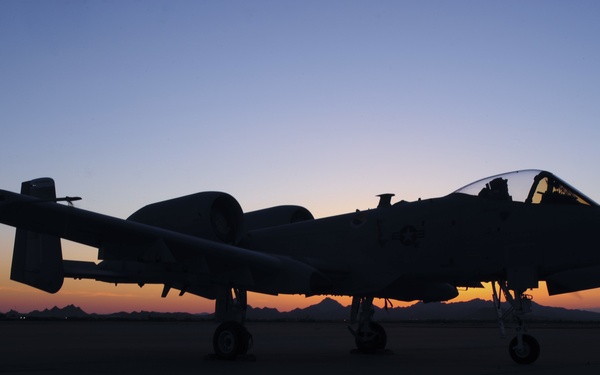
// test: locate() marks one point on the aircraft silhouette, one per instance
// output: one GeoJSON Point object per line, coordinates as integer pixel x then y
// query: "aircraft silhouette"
{"type": "Point", "coordinates": [511, 230]}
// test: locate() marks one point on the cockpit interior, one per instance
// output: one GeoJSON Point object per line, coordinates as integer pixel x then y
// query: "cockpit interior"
{"type": "Point", "coordinates": [528, 186]}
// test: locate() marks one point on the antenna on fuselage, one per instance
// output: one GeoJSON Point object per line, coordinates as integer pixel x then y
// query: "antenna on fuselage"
{"type": "Point", "coordinates": [68, 199]}
{"type": "Point", "coordinates": [385, 200]}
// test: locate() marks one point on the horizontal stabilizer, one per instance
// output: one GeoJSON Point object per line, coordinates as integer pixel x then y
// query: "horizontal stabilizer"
{"type": "Point", "coordinates": [37, 258]}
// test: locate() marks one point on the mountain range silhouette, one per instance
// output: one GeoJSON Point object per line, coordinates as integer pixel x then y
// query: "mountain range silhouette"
{"type": "Point", "coordinates": [330, 310]}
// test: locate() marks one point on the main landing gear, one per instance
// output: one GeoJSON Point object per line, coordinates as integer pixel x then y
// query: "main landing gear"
{"type": "Point", "coordinates": [231, 338]}
{"type": "Point", "coordinates": [370, 337]}
{"type": "Point", "coordinates": [523, 348]}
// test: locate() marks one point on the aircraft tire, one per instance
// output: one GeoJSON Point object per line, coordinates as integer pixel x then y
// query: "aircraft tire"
{"type": "Point", "coordinates": [230, 340]}
{"type": "Point", "coordinates": [372, 341]}
{"type": "Point", "coordinates": [530, 352]}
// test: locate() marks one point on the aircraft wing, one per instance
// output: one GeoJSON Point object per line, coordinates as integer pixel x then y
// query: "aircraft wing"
{"type": "Point", "coordinates": [141, 253]}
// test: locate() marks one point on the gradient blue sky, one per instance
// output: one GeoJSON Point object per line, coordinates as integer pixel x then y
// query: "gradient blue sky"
{"type": "Point", "coordinates": [319, 103]}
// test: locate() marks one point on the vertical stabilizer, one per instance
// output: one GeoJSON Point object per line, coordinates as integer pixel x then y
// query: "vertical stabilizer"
{"type": "Point", "coordinates": [37, 258]}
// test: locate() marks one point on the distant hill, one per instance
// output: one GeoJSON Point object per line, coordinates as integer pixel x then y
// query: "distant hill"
{"type": "Point", "coordinates": [477, 309]}
{"type": "Point", "coordinates": [331, 310]}
{"type": "Point", "coordinates": [69, 311]}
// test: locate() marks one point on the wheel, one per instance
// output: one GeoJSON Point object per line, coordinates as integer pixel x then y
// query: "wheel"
{"type": "Point", "coordinates": [529, 353]}
{"type": "Point", "coordinates": [230, 340]}
{"type": "Point", "coordinates": [372, 340]}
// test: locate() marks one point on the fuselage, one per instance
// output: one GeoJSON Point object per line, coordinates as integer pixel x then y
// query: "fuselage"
{"type": "Point", "coordinates": [458, 239]}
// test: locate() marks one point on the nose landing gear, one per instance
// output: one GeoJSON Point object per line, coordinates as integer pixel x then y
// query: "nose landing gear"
{"type": "Point", "coordinates": [525, 352]}
{"type": "Point", "coordinates": [523, 348]}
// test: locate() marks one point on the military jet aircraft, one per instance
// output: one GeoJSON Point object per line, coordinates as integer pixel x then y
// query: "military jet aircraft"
{"type": "Point", "coordinates": [511, 230]}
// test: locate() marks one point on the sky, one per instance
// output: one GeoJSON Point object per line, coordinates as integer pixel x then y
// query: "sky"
{"type": "Point", "coordinates": [323, 104]}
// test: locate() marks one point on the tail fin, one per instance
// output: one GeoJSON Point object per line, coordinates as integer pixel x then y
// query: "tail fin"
{"type": "Point", "coordinates": [37, 258]}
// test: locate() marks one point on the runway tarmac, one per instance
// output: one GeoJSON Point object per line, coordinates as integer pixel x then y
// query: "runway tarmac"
{"type": "Point", "coordinates": [90, 347]}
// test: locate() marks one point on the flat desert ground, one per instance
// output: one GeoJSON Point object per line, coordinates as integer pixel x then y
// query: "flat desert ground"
{"type": "Point", "coordinates": [105, 347]}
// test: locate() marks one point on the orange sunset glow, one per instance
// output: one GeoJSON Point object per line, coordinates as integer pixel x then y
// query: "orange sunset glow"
{"type": "Point", "coordinates": [102, 298]}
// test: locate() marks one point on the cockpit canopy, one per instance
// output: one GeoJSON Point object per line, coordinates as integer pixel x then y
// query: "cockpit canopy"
{"type": "Point", "coordinates": [527, 186]}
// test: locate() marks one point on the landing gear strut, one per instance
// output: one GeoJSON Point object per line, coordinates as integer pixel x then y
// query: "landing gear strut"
{"type": "Point", "coordinates": [231, 338]}
{"type": "Point", "coordinates": [369, 336]}
{"type": "Point", "coordinates": [523, 348]}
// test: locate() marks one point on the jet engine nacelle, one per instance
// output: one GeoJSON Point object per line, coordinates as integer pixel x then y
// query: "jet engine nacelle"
{"type": "Point", "coordinates": [211, 215]}
{"type": "Point", "coordinates": [275, 216]}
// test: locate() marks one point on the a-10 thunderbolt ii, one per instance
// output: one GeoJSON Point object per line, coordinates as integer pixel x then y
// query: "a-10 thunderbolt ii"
{"type": "Point", "coordinates": [511, 230]}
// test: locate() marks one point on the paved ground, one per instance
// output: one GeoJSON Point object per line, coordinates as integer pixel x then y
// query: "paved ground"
{"type": "Point", "coordinates": [292, 348]}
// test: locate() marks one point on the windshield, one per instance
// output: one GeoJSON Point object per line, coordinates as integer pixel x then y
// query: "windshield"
{"type": "Point", "coordinates": [528, 186]}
